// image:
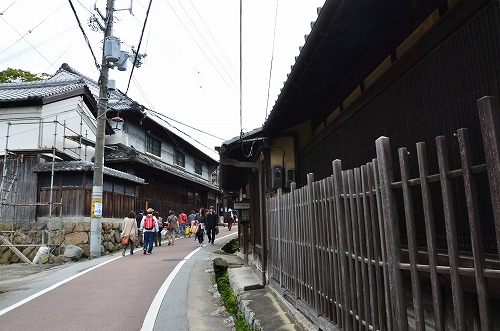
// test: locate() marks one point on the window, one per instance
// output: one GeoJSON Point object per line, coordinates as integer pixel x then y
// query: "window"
{"type": "Point", "coordinates": [153, 145]}
{"type": "Point", "coordinates": [179, 158]}
{"type": "Point", "coordinates": [198, 168]}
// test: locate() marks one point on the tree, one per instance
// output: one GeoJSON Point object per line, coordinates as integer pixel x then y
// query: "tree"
{"type": "Point", "coordinates": [18, 75]}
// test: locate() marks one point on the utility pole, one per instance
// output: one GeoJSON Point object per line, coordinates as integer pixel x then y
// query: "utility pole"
{"type": "Point", "coordinates": [102, 106]}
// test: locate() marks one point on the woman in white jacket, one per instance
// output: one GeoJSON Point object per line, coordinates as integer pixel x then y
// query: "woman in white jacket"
{"type": "Point", "coordinates": [129, 228]}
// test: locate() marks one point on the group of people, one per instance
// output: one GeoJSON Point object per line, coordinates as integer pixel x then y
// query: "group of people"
{"type": "Point", "coordinates": [151, 227]}
{"type": "Point", "coordinates": [203, 221]}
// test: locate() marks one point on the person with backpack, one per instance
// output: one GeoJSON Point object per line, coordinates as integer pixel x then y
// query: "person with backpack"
{"type": "Point", "coordinates": [174, 227]}
{"type": "Point", "coordinates": [183, 220]}
{"type": "Point", "coordinates": [149, 226]}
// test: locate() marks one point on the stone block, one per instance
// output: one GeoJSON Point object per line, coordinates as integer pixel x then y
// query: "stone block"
{"type": "Point", "coordinates": [5, 258]}
{"type": "Point", "coordinates": [82, 227]}
{"type": "Point", "coordinates": [86, 250]}
{"type": "Point", "coordinates": [77, 238]}
{"type": "Point", "coordinates": [73, 252]}
{"type": "Point", "coordinates": [106, 227]}
{"type": "Point", "coordinates": [69, 227]}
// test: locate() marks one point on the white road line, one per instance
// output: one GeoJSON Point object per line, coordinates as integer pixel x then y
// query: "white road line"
{"type": "Point", "coordinates": [150, 319]}
{"type": "Point", "coordinates": [48, 289]}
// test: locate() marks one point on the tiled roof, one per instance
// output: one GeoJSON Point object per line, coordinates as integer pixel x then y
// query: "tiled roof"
{"type": "Point", "coordinates": [84, 166]}
{"type": "Point", "coordinates": [123, 153]}
{"type": "Point", "coordinates": [37, 89]}
{"type": "Point", "coordinates": [117, 99]}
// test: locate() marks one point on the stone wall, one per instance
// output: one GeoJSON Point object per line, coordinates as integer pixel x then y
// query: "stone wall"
{"type": "Point", "coordinates": [28, 236]}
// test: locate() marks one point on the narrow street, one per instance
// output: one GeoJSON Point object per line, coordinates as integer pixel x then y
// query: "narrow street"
{"type": "Point", "coordinates": [118, 293]}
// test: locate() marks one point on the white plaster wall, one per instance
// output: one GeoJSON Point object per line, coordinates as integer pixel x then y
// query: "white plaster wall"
{"type": "Point", "coordinates": [35, 127]}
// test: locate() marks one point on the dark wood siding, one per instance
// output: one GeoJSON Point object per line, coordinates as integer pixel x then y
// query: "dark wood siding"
{"type": "Point", "coordinates": [436, 97]}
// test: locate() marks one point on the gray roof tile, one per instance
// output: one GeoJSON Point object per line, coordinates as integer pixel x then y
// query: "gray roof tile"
{"type": "Point", "coordinates": [84, 166]}
{"type": "Point", "coordinates": [37, 89]}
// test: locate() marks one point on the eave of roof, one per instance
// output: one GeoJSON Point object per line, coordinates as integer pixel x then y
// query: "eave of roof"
{"type": "Point", "coordinates": [83, 166]}
{"type": "Point", "coordinates": [347, 42]}
{"type": "Point", "coordinates": [129, 154]}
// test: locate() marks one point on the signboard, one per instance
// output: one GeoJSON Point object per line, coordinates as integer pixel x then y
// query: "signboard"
{"type": "Point", "coordinates": [96, 210]}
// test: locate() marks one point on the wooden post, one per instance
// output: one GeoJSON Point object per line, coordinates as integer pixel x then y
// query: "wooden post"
{"type": "Point", "coordinates": [391, 225]}
{"type": "Point", "coordinates": [347, 321]}
{"type": "Point", "coordinates": [430, 234]}
{"type": "Point", "coordinates": [314, 244]}
{"type": "Point", "coordinates": [489, 119]}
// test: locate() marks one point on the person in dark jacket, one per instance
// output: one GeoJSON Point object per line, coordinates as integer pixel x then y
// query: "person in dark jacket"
{"type": "Point", "coordinates": [211, 224]}
{"type": "Point", "coordinates": [138, 219]}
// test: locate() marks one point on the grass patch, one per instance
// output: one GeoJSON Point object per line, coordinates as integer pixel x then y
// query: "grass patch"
{"type": "Point", "coordinates": [231, 247]}
{"type": "Point", "coordinates": [228, 297]}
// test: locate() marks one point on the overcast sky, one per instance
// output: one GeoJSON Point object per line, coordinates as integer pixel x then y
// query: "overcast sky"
{"type": "Point", "coordinates": [192, 69]}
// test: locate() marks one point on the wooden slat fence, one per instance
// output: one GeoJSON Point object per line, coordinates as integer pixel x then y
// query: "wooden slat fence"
{"type": "Point", "coordinates": [335, 249]}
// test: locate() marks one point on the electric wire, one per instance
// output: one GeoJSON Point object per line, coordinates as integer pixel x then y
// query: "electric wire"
{"type": "Point", "coordinates": [199, 130]}
{"type": "Point", "coordinates": [29, 31]}
{"type": "Point", "coordinates": [22, 37]}
{"type": "Point", "coordinates": [162, 117]}
{"type": "Point", "coordinates": [272, 57]}
{"type": "Point", "coordinates": [29, 49]}
{"type": "Point", "coordinates": [3, 12]}
{"type": "Point", "coordinates": [206, 43]}
{"type": "Point", "coordinates": [139, 46]}
{"type": "Point", "coordinates": [84, 35]}
{"type": "Point", "coordinates": [197, 44]}
{"type": "Point", "coordinates": [215, 40]}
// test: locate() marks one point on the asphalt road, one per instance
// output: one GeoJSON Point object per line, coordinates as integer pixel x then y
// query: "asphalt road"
{"type": "Point", "coordinates": [139, 292]}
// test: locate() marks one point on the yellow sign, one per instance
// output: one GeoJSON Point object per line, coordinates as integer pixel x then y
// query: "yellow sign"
{"type": "Point", "coordinates": [96, 210]}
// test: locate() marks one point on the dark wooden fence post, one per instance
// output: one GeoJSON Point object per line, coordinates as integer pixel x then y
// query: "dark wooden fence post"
{"type": "Point", "coordinates": [430, 234]}
{"type": "Point", "coordinates": [391, 225]}
{"type": "Point", "coordinates": [451, 233]}
{"type": "Point", "coordinates": [347, 321]}
{"type": "Point", "coordinates": [279, 220]}
{"type": "Point", "coordinates": [489, 119]}
{"type": "Point", "coordinates": [475, 230]}
{"type": "Point", "coordinates": [294, 240]}
{"type": "Point", "coordinates": [314, 244]}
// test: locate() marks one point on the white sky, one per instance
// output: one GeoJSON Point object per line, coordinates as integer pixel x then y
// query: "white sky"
{"type": "Point", "coordinates": [191, 72]}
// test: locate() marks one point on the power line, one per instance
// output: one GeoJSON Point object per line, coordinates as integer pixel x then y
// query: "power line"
{"type": "Point", "coordinates": [197, 44]}
{"type": "Point", "coordinates": [139, 46]}
{"type": "Point", "coordinates": [208, 45]}
{"type": "Point", "coordinates": [198, 130]}
{"type": "Point", "coordinates": [84, 35]}
{"type": "Point", "coordinates": [3, 12]}
{"type": "Point", "coordinates": [272, 57]}
{"type": "Point", "coordinates": [173, 138]}
{"type": "Point", "coordinates": [28, 49]}
{"type": "Point", "coordinates": [29, 31]}
{"type": "Point", "coordinates": [215, 40]}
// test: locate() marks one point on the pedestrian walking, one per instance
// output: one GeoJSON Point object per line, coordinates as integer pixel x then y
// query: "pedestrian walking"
{"type": "Point", "coordinates": [229, 219]}
{"type": "Point", "coordinates": [201, 220]}
{"type": "Point", "coordinates": [174, 227]}
{"type": "Point", "coordinates": [129, 233]}
{"type": "Point", "coordinates": [191, 221]}
{"type": "Point", "coordinates": [183, 221]}
{"type": "Point", "coordinates": [148, 226]}
{"type": "Point", "coordinates": [138, 219]}
{"type": "Point", "coordinates": [156, 214]}
{"type": "Point", "coordinates": [211, 225]}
